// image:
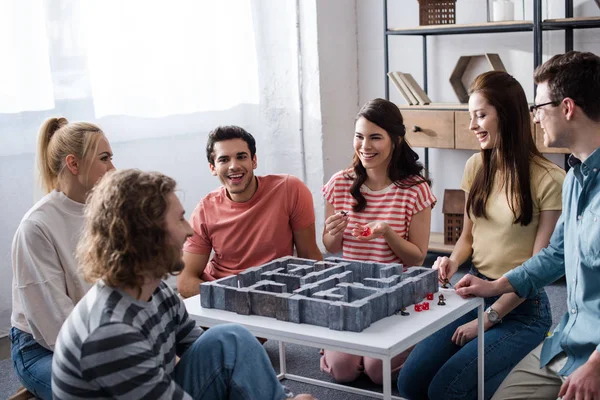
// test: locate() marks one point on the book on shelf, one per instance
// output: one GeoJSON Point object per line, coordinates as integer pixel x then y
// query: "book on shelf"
{"type": "Point", "coordinates": [402, 88]}
{"type": "Point", "coordinates": [415, 88]}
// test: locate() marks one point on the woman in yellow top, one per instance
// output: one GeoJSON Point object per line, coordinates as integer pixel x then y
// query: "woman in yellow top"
{"type": "Point", "coordinates": [513, 200]}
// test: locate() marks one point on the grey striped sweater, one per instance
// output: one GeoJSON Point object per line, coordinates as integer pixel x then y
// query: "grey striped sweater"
{"type": "Point", "coordinates": [115, 347]}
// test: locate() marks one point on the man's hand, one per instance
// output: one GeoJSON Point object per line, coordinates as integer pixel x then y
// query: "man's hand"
{"type": "Point", "coordinates": [584, 383]}
{"type": "Point", "coordinates": [471, 286]}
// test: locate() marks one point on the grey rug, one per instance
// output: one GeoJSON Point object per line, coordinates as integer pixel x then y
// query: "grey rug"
{"type": "Point", "coordinates": [304, 361]}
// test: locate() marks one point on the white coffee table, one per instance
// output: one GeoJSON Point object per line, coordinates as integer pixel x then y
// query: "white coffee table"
{"type": "Point", "coordinates": [382, 340]}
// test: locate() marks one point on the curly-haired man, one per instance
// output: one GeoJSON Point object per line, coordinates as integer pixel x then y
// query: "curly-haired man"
{"type": "Point", "coordinates": [122, 338]}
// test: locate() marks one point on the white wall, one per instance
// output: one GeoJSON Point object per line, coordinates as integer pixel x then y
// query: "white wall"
{"type": "Point", "coordinates": [515, 49]}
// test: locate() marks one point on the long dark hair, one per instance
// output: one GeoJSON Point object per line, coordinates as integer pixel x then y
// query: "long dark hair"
{"type": "Point", "coordinates": [513, 151]}
{"type": "Point", "coordinates": [404, 169]}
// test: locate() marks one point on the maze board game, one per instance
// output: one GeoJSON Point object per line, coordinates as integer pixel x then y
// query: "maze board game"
{"type": "Point", "coordinates": [336, 293]}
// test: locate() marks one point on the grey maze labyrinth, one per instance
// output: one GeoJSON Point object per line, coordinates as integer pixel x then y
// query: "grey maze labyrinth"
{"type": "Point", "coordinates": [336, 293]}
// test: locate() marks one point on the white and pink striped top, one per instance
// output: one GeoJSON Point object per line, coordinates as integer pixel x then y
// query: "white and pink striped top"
{"type": "Point", "coordinates": [394, 205]}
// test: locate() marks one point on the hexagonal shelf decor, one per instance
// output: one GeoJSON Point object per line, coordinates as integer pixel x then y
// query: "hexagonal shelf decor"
{"type": "Point", "coordinates": [461, 66]}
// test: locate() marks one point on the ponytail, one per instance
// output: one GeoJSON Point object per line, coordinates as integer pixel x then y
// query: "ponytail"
{"type": "Point", "coordinates": [49, 169]}
{"type": "Point", "coordinates": [57, 139]}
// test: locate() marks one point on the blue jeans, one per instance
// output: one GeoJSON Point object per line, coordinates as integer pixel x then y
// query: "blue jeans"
{"type": "Point", "coordinates": [228, 362]}
{"type": "Point", "coordinates": [32, 363]}
{"type": "Point", "coordinates": [439, 369]}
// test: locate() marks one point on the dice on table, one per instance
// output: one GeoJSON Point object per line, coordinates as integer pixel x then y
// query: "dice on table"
{"type": "Point", "coordinates": [417, 308]}
{"type": "Point", "coordinates": [425, 306]}
{"type": "Point", "coordinates": [429, 296]}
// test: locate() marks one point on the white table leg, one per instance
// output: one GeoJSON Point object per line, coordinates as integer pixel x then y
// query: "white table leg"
{"type": "Point", "coordinates": [480, 352]}
{"type": "Point", "coordinates": [282, 366]}
{"type": "Point", "coordinates": [387, 378]}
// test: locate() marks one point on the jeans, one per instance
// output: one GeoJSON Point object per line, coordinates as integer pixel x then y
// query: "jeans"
{"type": "Point", "coordinates": [227, 362]}
{"type": "Point", "coordinates": [439, 369]}
{"type": "Point", "coordinates": [32, 363]}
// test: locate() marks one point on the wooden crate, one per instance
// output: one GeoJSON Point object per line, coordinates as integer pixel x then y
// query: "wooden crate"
{"type": "Point", "coordinates": [453, 210]}
{"type": "Point", "coordinates": [437, 12]}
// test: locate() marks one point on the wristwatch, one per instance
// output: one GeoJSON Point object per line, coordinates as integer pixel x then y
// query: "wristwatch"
{"type": "Point", "coordinates": [493, 316]}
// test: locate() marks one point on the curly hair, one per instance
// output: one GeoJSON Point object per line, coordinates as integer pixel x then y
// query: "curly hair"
{"type": "Point", "coordinates": [124, 238]}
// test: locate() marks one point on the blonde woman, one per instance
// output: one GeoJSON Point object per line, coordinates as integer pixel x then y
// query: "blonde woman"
{"type": "Point", "coordinates": [71, 158]}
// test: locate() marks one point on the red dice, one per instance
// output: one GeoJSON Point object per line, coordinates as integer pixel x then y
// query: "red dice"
{"type": "Point", "coordinates": [418, 308]}
{"type": "Point", "coordinates": [429, 296]}
{"type": "Point", "coordinates": [366, 231]}
{"type": "Point", "coordinates": [425, 306]}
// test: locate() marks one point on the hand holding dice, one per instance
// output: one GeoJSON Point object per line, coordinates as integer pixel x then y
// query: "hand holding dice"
{"type": "Point", "coordinates": [370, 231]}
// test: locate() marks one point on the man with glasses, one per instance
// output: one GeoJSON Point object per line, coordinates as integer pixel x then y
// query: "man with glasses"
{"type": "Point", "coordinates": [567, 363]}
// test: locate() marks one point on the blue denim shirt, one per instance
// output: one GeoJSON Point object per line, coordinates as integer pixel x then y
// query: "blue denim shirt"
{"type": "Point", "coordinates": [574, 251]}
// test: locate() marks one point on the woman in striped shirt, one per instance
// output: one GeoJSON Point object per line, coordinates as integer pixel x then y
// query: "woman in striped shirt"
{"type": "Point", "coordinates": [377, 210]}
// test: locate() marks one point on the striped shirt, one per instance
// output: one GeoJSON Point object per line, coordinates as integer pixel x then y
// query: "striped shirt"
{"type": "Point", "coordinates": [115, 347]}
{"type": "Point", "coordinates": [394, 205]}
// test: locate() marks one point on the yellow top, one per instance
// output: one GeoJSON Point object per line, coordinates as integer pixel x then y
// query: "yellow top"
{"type": "Point", "coordinates": [499, 245]}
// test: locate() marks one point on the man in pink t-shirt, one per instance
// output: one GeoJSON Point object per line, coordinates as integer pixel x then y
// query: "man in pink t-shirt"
{"type": "Point", "coordinates": [250, 220]}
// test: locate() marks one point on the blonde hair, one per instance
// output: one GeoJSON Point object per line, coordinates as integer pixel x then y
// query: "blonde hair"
{"type": "Point", "coordinates": [57, 139]}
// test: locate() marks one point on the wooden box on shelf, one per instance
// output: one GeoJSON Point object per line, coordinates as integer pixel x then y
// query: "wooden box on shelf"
{"type": "Point", "coordinates": [437, 12]}
{"type": "Point", "coordinates": [429, 128]}
{"type": "Point", "coordinates": [453, 209]}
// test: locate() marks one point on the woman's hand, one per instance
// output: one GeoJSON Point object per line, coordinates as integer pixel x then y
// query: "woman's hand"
{"type": "Point", "coordinates": [370, 231]}
{"type": "Point", "coordinates": [336, 224]}
{"type": "Point", "coordinates": [446, 268]}
{"type": "Point", "coordinates": [465, 333]}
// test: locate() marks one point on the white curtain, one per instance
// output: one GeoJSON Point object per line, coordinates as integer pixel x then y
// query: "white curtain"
{"type": "Point", "coordinates": [152, 59]}
{"type": "Point", "coordinates": [156, 77]}
{"type": "Point", "coordinates": [141, 58]}
{"type": "Point", "coordinates": [25, 78]}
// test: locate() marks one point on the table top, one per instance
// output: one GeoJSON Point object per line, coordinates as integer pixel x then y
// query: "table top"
{"type": "Point", "coordinates": [388, 336]}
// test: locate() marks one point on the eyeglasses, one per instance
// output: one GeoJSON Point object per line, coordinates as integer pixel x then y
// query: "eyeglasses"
{"type": "Point", "coordinates": [535, 107]}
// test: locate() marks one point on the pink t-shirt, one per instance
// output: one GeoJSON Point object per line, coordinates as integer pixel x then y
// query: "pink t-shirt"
{"type": "Point", "coordinates": [244, 235]}
{"type": "Point", "coordinates": [394, 205]}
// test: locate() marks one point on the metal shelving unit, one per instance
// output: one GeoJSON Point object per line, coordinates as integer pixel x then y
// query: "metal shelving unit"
{"type": "Point", "coordinates": [537, 26]}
